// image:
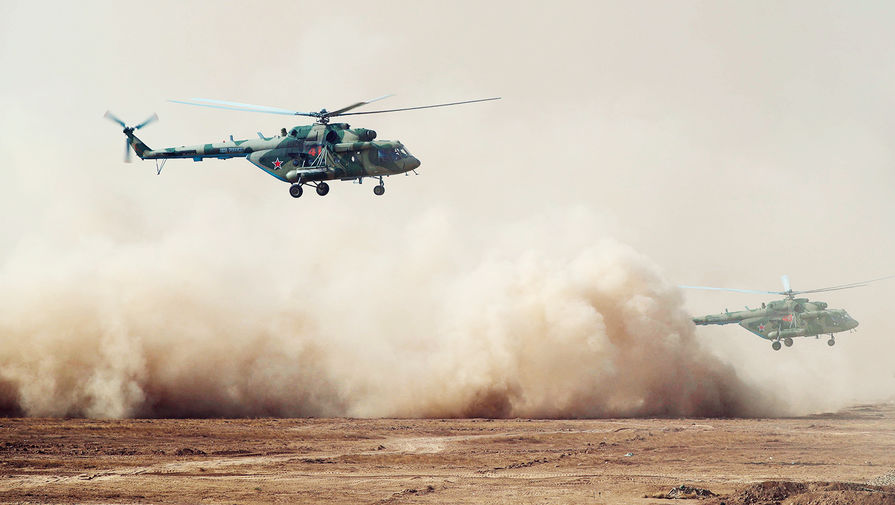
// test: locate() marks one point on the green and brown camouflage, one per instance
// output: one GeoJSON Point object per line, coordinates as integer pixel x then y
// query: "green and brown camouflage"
{"type": "Point", "coordinates": [782, 319]}
{"type": "Point", "coordinates": [317, 152]}
{"type": "Point", "coordinates": [305, 155]}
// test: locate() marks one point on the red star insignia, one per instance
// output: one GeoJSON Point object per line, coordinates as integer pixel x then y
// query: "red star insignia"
{"type": "Point", "coordinates": [278, 163]}
{"type": "Point", "coordinates": [788, 318]}
{"type": "Point", "coordinates": [760, 327]}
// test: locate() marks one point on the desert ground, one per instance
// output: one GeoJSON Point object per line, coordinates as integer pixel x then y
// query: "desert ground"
{"type": "Point", "coordinates": [842, 457]}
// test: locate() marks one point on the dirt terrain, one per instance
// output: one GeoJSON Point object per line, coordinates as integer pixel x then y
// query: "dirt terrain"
{"type": "Point", "coordinates": [846, 457]}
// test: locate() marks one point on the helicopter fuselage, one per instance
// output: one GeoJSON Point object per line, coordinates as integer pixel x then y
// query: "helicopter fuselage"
{"type": "Point", "coordinates": [781, 319]}
{"type": "Point", "coordinates": [317, 152]}
{"type": "Point", "coordinates": [306, 155]}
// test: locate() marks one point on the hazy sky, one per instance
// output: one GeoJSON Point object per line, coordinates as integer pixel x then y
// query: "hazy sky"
{"type": "Point", "coordinates": [728, 142]}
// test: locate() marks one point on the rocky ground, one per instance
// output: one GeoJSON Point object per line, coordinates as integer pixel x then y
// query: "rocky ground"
{"type": "Point", "coordinates": [842, 458]}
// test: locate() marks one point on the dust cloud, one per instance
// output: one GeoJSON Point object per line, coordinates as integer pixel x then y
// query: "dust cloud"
{"type": "Point", "coordinates": [105, 313]}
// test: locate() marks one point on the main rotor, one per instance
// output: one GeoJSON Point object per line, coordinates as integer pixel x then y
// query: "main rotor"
{"type": "Point", "coordinates": [321, 117]}
{"type": "Point", "coordinates": [787, 288]}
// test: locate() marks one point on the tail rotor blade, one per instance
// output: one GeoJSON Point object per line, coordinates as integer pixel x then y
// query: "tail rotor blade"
{"type": "Point", "coordinates": [112, 117]}
{"type": "Point", "coordinates": [129, 131]}
{"type": "Point", "coordinates": [149, 120]}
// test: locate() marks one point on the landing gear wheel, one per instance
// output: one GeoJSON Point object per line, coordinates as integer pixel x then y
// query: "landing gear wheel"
{"type": "Point", "coordinates": [295, 190]}
{"type": "Point", "coordinates": [787, 341]}
{"type": "Point", "coordinates": [776, 345]}
{"type": "Point", "coordinates": [831, 342]}
{"type": "Point", "coordinates": [322, 189]}
{"type": "Point", "coordinates": [379, 190]}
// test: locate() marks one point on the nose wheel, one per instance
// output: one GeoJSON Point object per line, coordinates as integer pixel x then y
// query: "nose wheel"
{"type": "Point", "coordinates": [380, 189]}
{"type": "Point", "coordinates": [831, 342]}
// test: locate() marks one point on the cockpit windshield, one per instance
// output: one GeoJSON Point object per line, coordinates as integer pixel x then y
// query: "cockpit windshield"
{"type": "Point", "coordinates": [391, 153]}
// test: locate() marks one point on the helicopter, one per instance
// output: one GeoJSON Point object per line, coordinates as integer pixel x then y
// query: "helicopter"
{"type": "Point", "coordinates": [307, 155]}
{"type": "Point", "coordinates": [782, 320]}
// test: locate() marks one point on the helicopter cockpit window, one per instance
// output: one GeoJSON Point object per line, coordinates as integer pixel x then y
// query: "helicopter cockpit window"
{"type": "Point", "coordinates": [386, 154]}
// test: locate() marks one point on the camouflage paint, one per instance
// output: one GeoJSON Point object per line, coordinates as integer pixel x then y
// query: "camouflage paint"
{"type": "Point", "coordinates": [317, 152]}
{"type": "Point", "coordinates": [791, 317]}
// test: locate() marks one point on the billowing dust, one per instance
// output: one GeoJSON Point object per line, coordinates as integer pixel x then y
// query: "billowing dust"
{"type": "Point", "coordinates": [230, 313]}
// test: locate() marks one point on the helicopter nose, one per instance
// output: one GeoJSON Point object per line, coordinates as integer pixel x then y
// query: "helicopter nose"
{"type": "Point", "coordinates": [411, 163]}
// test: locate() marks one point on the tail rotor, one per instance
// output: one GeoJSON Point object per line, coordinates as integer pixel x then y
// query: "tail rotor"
{"type": "Point", "coordinates": [113, 117]}
{"type": "Point", "coordinates": [129, 131]}
{"type": "Point", "coordinates": [151, 119]}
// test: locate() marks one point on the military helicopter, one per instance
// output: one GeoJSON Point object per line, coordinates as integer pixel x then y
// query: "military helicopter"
{"type": "Point", "coordinates": [781, 320]}
{"type": "Point", "coordinates": [304, 155]}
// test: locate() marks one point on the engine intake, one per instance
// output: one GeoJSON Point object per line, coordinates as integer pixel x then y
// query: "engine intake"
{"type": "Point", "coordinates": [365, 135]}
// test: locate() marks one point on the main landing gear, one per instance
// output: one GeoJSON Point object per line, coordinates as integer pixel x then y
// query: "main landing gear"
{"type": "Point", "coordinates": [777, 344]}
{"type": "Point", "coordinates": [296, 190]}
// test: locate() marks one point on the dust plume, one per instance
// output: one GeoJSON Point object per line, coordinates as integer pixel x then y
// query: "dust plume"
{"type": "Point", "coordinates": [224, 315]}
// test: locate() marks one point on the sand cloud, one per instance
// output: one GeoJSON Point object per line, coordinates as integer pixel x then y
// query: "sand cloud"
{"type": "Point", "coordinates": [429, 318]}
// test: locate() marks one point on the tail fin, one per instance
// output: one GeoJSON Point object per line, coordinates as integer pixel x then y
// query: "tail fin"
{"type": "Point", "coordinates": [137, 145]}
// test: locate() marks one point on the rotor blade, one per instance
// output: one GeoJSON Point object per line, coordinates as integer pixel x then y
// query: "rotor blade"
{"type": "Point", "coordinates": [846, 286]}
{"type": "Point", "coordinates": [415, 108]}
{"type": "Point", "coordinates": [824, 290]}
{"type": "Point", "coordinates": [149, 120]}
{"type": "Point", "coordinates": [246, 107]}
{"type": "Point", "coordinates": [786, 286]}
{"type": "Point", "coordinates": [750, 291]}
{"type": "Point", "coordinates": [111, 116]}
{"type": "Point", "coordinates": [358, 104]}
{"type": "Point", "coordinates": [127, 150]}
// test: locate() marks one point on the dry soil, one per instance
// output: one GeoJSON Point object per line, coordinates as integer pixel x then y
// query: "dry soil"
{"type": "Point", "coordinates": [837, 458]}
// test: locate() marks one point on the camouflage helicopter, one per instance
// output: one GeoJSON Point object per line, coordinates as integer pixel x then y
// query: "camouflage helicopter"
{"type": "Point", "coordinates": [304, 155]}
{"type": "Point", "coordinates": [781, 320]}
